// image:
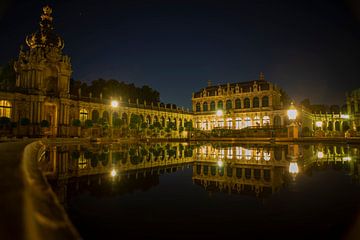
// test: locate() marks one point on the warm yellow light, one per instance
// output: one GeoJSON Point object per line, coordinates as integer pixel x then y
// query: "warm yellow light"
{"type": "Point", "coordinates": [320, 154]}
{"type": "Point", "coordinates": [318, 123]}
{"type": "Point", "coordinates": [346, 116]}
{"type": "Point", "coordinates": [113, 173]}
{"type": "Point", "coordinates": [292, 113]}
{"type": "Point", "coordinates": [293, 168]}
{"type": "Point", "coordinates": [346, 158]}
{"type": "Point", "coordinates": [219, 113]}
{"type": "Point", "coordinates": [114, 103]}
{"type": "Point", "coordinates": [220, 163]}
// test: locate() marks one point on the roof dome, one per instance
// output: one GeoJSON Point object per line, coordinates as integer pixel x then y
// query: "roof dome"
{"type": "Point", "coordinates": [46, 35]}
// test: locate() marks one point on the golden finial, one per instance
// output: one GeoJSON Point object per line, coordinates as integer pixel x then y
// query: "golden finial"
{"type": "Point", "coordinates": [47, 13]}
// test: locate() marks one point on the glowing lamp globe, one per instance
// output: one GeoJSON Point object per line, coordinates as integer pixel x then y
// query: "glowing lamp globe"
{"type": "Point", "coordinates": [113, 173]}
{"type": "Point", "coordinates": [292, 112]}
{"type": "Point", "coordinates": [293, 168]}
{"type": "Point", "coordinates": [114, 103]}
{"type": "Point", "coordinates": [318, 124]}
{"type": "Point", "coordinates": [320, 155]}
{"type": "Point", "coordinates": [220, 163]}
{"type": "Point", "coordinates": [219, 113]}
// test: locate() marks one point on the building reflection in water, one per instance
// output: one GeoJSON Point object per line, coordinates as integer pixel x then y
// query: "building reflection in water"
{"type": "Point", "coordinates": [258, 170]}
{"type": "Point", "coordinates": [261, 170]}
{"type": "Point", "coordinates": [111, 169]}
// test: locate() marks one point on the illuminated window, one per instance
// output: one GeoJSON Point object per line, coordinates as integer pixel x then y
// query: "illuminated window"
{"type": "Point", "coordinates": [238, 152]}
{"type": "Point", "coordinates": [83, 115]}
{"type": "Point", "coordinates": [230, 153]}
{"type": "Point", "coordinates": [257, 155]}
{"type": "Point", "coordinates": [238, 123]}
{"type": "Point", "coordinates": [229, 122]}
{"type": "Point", "coordinates": [5, 109]}
{"type": "Point", "coordinates": [257, 121]}
{"type": "Point", "coordinates": [266, 155]}
{"type": "Point", "coordinates": [213, 123]}
{"type": "Point", "coordinates": [266, 120]}
{"type": "Point", "coordinates": [221, 153]}
{"type": "Point", "coordinates": [221, 123]}
{"type": "Point", "coordinates": [83, 162]}
{"type": "Point", "coordinates": [247, 122]}
{"type": "Point", "coordinates": [248, 153]}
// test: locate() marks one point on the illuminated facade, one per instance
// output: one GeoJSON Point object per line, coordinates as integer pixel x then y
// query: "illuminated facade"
{"type": "Point", "coordinates": [238, 105]}
{"type": "Point", "coordinates": [41, 100]}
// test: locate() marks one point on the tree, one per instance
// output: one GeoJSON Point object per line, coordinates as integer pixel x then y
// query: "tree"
{"type": "Point", "coordinates": [118, 122]}
{"type": "Point", "coordinates": [88, 123]}
{"type": "Point", "coordinates": [7, 75]}
{"type": "Point", "coordinates": [24, 121]}
{"type": "Point", "coordinates": [285, 99]}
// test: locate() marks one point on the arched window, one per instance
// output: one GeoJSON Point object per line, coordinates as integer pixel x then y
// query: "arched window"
{"type": "Point", "coordinates": [105, 116]}
{"type": "Point", "coordinates": [266, 120]}
{"type": "Point", "coordinates": [237, 104]}
{"type": "Point", "coordinates": [277, 121]}
{"type": "Point", "coordinates": [212, 106]}
{"type": "Point", "coordinates": [83, 115]}
{"type": "Point", "coordinates": [265, 101]}
{"type": "Point", "coordinates": [228, 104]}
{"type": "Point", "coordinates": [5, 109]}
{"type": "Point", "coordinates": [220, 104]}
{"type": "Point", "coordinates": [246, 103]}
{"type": "Point", "coordinates": [198, 107]}
{"type": "Point", "coordinates": [255, 102]}
{"type": "Point", "coordinates": [205, 107]}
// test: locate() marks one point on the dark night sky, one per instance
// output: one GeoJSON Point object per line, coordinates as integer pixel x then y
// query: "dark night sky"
{"type": "Point", "coordinates": [311, 48]}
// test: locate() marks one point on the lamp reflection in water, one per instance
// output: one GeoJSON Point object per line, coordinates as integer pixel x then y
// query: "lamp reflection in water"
{"type": "Point", "coordinates": [320, 154]}
{"type": "Point", "coordinates": [293, 169]}
{"type": "Point", "coordinates": [220, 163]}
{"type": "Point", "coordinates": [113, 173]}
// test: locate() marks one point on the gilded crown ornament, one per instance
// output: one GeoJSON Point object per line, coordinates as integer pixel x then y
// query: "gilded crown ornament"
{"type": "Point", "coordinates": [46, 37]}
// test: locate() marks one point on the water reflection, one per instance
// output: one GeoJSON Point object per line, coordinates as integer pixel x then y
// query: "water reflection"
{"type": "Point", "coordinates": [258, 170]}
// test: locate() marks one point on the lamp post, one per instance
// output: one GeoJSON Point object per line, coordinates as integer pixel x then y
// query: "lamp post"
{"type": "Point", "coordinates": [293, 130]}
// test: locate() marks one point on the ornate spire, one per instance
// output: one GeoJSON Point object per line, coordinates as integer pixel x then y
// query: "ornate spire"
{"type": "Point", "coordinates": [261, 76]}
{"type": "Point", "coordinates": [46, 36]}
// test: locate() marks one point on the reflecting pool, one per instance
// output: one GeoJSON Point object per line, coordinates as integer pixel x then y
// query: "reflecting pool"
{"type": "Point", "coordinates": [207, 190]}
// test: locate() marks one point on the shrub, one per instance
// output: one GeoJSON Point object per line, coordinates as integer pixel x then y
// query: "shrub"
{"type": "Point", "coordinates": [24, 121]}
{"type": "Point", "coordinates": [44, 124]}
{"type": "Point", "coordinates": [76, 123]}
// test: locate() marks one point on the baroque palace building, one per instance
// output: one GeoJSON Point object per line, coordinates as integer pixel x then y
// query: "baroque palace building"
{"type": "Point", "coordinates": [239, 105]}
{"type": "Point", "coordinates": [43, 84]}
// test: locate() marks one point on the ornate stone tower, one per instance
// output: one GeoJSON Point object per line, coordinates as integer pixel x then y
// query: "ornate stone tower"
{"type": "Point", "coordinates": [43, 69]}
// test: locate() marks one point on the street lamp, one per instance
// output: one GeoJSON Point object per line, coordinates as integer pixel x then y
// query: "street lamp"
{"type": "Point", "coordinates": [219, 113]}
{"type": "Point", "coordinates": [114, 103]}
{"type": "Point", "coordinates": [293, 131]}
{"type": "Point", "coordinates": [292, 112]}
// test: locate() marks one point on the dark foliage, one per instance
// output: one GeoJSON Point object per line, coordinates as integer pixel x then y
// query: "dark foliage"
{"type": "Point", "coordinates": [114, 88]}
